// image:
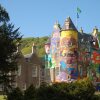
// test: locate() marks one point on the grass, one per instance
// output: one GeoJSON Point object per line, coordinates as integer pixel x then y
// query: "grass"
{"type": "Point", "coordinates": [2, 97]}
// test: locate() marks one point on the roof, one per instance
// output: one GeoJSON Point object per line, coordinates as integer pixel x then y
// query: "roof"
{"type": "Point", "coordinates": [68, 25]}
{"type": "Point", "coordinates": [85, 36]}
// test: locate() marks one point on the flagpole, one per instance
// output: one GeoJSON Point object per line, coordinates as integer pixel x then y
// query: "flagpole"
{"type": "Point", "coordinates": [76, 21]}
{"type": "Point", "coordinates": [76, 15]}
{"type": "Point", "coordinates": [78, 12]}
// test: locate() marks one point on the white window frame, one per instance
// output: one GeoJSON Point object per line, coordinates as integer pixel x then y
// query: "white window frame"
{"type": "Point", "coordinates": [24, 86]}
{"type": "Point", "coordinates": [34, 70]}
{"type": "Point", "coordinates": [19, 70]}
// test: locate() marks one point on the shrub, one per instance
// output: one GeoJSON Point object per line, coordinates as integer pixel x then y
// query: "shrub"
{"type": "Point", "coordinates": [15, 94]}
{"type": "Point", "coordinates": [78, 90]}
{"type": "Point", "coordinates": [29, 94]}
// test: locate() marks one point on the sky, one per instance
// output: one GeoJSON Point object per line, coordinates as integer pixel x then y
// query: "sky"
{"type": "Point", "coordinates": [37, 17]}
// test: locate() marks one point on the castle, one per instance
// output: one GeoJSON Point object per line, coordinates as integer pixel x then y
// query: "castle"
{"type": "Point", "coordinates": [72, 55]}
{"type": "Point", "coordinates": [69, 55]}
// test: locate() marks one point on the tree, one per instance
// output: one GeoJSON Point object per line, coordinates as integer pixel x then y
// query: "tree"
{"type": "Point", "coordinates": [8, 47]}
{"type": "Point", "coordinates": [4, 16]}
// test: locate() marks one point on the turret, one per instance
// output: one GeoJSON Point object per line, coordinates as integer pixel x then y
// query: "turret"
{"type": "Point", "coordinates": [68, 51]}
{"type": "Point", "coordinates": [81, 30]}
{"type": "Point", "coordinates": [18, 47]}
{"type": "Point", "coordinates": [68, 24]}
{"type": "Point", "coordinates": [95, 31]}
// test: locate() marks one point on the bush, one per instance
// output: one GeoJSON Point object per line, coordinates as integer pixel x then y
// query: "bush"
{"type": "Point", "coordinates": [29, 94]}
{"type": "Point", "coordinates": [16, 94]}
{"type": "Point", "coordinates": [78, 90]}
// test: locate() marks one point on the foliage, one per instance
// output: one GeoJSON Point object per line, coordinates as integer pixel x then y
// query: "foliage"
{"type": "Point", "coordinates": [4, 16]}
{"type": "Point", "coordinates": [9, 37]}
{"type": "Point", "coordinates": [26, 45]}
{"type": "Point", "coordinates": [2, 97]}
{"type": "Point", "coordinates": [15, 94]}
{"type": "Point", "coordinates": [29, 94]}
{"type": "Point", "coordinates": [79, 90]}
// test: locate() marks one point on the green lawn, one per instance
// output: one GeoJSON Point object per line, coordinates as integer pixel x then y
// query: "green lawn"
{"type": "Point", "coordinates": [2, 97]}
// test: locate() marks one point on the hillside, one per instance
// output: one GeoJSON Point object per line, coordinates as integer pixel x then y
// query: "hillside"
{"type": "Point", "coordinates": [26, 45]}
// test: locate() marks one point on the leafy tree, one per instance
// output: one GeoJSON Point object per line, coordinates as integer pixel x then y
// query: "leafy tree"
{"type": "Point", "coordinates": [8, 47]}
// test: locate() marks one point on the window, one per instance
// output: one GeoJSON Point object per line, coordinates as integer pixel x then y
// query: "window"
{"type": "Point", "coordinates": [19, 70]}
{"type": "Point", "coordinates": [34, 71]}
{"type": "Point", "coordinates": [98, 58]}
{"type": "Point", "coordinates": [1, 87]}
{"type": "Point", "coordinates": [57, 71]}
{"type": "Point", "coordinates": [24, 86]}
{"type": "Point", "coordinates": [27, 59]}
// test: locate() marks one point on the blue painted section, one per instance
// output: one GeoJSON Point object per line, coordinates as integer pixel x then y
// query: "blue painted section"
{"type": "Point", "coordinates": [70, 70]}
{"type": "Point", "coordinates": [63, 64]}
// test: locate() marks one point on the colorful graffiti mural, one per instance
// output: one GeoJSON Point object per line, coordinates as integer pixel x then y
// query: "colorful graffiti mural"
{"type": "Point", "coordinates": [95, 57]}
{"type": "Point", "coordinates": [69, 55]}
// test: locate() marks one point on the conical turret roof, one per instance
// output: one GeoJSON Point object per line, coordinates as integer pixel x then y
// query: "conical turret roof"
{"type": "Point", "coordinates": [68, 24]}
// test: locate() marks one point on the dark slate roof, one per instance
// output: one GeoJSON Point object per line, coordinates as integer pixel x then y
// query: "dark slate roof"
{"type": "Point", "coordinates": [68, 25]}
{"type": "Point", "coordinates": [84, 36]}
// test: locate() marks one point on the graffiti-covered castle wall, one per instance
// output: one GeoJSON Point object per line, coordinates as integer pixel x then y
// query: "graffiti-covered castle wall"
{"type": "Point", "coordinates": [70, 54]}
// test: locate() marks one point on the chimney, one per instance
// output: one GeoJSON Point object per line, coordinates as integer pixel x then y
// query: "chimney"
{"type": "Point", "coordinates": [33, 48]}
{"type": "Point", "coordinates": [47, 48]}
{"type": "Point", "coordinates": [18, 47]}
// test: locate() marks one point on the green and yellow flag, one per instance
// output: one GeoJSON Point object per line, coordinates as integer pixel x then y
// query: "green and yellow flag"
{"type": "Point", "coordinates": [78, 12]}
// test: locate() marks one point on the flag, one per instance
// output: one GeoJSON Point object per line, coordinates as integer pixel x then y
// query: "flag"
{"type": "Point", "coordinates": [77, 15]}
{"type": "Point", "coordinates": [78, 12]}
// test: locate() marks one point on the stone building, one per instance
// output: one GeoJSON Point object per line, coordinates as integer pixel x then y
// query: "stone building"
{"type": "Point", "coordinates": [30, 70]}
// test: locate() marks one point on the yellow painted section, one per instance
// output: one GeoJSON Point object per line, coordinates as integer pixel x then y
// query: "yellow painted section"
{"type": "Point", "coordinates": [69, 33]}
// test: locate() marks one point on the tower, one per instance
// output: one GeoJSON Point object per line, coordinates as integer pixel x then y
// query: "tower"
{"type": "Point", "coordinates": [62, 56]}
{"type": "Point", "coordinates": [54, 51]}
{"type": "Point", "coordinates": [68, 52]}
